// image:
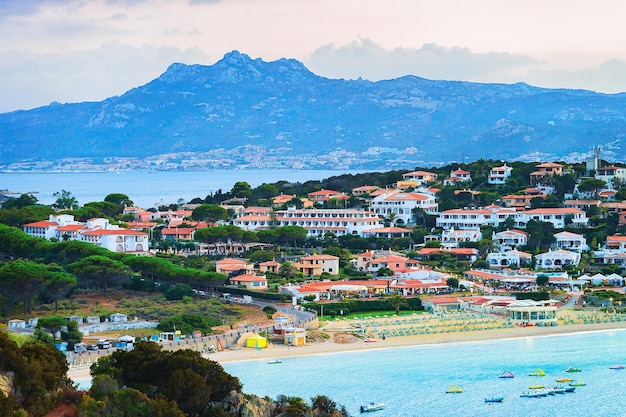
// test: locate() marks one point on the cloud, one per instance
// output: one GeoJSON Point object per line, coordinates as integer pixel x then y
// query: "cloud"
{"type": "Point", "coordinates": [367, 59]}
{"type": "Point", "coordinates": [30, 80]}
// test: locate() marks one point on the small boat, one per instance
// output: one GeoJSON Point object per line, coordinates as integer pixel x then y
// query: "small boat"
{"type": "Point", "coordinates": [454, 389]}
{"type": "Point", "coordinates": [372, 407]}
{"type": "Point", "coordinates": [538, 372]}
{"type": "Point", "coordinates": [494, 400]}
{"type": "Point", "coordinates": [617, 366]}
{"type": "Point", "coordinates": [570, 389]}
{"type": "Point", "coordinates": [273, 361]}
{"type": "Point", "coordinates": [564, 380]}
{"type": "Point", "coordinates": [577, 384]}
{"type": "Point", "coordinates": [507, 374]}
{"type": "Point", "coordinates": [532, 394]}
{"type": "Point", "coordinates": [369, 340]}
{"type": "Point", "coordinates": [559, 390]}
{"type": "Point", "coordinates": [570, 369]}
{"type": "Point", "coordinates": [536, 386]}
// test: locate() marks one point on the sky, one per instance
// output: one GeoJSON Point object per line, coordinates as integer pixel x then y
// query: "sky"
{"type": "Point", "coordinates": [87, 50]}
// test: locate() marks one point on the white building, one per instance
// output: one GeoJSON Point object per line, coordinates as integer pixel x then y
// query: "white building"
{"type": "Point", "coordinates": [400, 205]}
{"type": "Point", "coordinates": [556, 259]}
{"type": "Point", "coordinates": [557, 216]}
{"type": "Point", "coordinates": [451, 238]}
{"type": "Point", "coordinates": [570, 241]}
{"type": "Point", "coordinates": [508, 258]}
{"type": "Point", "coordinates": [473, 218]}
{"type": "Point", "coordinates": [97, 231]}
{"type": "Point", "coordinates": [499, 175]}
{"type": "Point", "coordinates": [509, 239]}
{"type": "Point", "coordinates": [317, 222]}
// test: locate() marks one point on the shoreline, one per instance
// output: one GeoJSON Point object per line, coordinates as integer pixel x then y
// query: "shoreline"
{"type": "Point", "coordinates": [80, 374]}
{"type": "Point", "coordinates": [330, 346]}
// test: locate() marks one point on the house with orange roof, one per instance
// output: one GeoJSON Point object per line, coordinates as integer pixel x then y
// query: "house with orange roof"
{"type": "Point", "coordinates": [419, 177]}
{"type": "Point", "coordinates": [281, 199]}
{"type": "Point", "coordinates": [96, 231]}
{"type": "Point", "coordinates": [582, 204]}
{"type": "Point", "coordinates": [46, 229]}
{"type": "Point", "coordinates": [509, 239]}
{"type": "Point", "coordinates": [364, 190]}
{"type": "Point", "coordinates": [546, 169]}
{"type": "Point", "coordinates": [117, 240]}
{"type": "Point", "coordinates": [555, 215]}
{"type": "Point", "coordinates": [315, 265]}
{"type": "Point", "coordinates": [399, 205]}
{"type": "Point", "coordinates": [387, 232]}
{"type": "Point", "coordinates": [140, 214]}
{"type": "Point", "coordinates": [518, 201]}
{"type": "Point", "coordinates": [178, 233]}
{"type": "Point", "coordinates": [611, 173]}
{"type": "Point", "coordinates": [396, 263]}
{"type": "Point", "coordinates": [269, 266]}
{"type": "Point", "coordinates": [229, 266]}
{"type": "Point", "coordinates": [466, 254]}
{"type": "Point", "coordinates": [323, 196]}
{"type": "Point", "coordinates": [457, 176]}
{"type": "Point", "coordinates": [250, 281]}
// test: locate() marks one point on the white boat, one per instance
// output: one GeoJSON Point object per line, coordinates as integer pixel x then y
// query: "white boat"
{"type": "Point", "coordinates": [372, 407]}
{"type": "Point", "coordinates": [274, 361]}
{"type": "Point", "coordinates": [617, 366]}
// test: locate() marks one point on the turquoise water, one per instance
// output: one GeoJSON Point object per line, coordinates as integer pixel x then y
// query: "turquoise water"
{"type": "Point", "coordinates": [149, 189]}
{"type": "Point", "coordinates": [412, 381]}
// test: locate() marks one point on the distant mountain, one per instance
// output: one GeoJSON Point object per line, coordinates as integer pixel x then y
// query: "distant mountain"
{"type": "Point", "coordinates": [243, 112]}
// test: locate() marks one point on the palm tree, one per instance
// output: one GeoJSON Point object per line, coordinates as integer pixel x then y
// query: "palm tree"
{"type": "Point", "coordinates": [396, 301]}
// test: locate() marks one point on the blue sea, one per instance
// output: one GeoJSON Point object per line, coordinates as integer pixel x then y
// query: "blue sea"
{"type": "Point", "coordinates": [149, 189]}
{"type": "Point", "coordinates": [412, 381]}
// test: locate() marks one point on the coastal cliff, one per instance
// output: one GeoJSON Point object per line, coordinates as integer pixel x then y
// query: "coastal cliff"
{"type": "Point", "coordinates": [239, 404]}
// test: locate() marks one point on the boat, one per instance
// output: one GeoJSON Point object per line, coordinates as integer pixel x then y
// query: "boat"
{"type": "Point", "coordinates": [372, 407]}
{"type": "Point", "coordinates": [369, 340]}
{"type": "Point", "coordinates": [507, 374]}
{"type": "Point", "coordinates": [577, 384]}
{"type": "Point", "coordinates": [273, 361]}
{"type": "Point", "coordinates": [559, 390]}
{"type": "Point", "coordinates": [454, 389]}
{"type": "Point", "coordinates": [570, 389]}
{"type": "Point", "coordinates": [538, 372]}
{"type": "Point", "coordinates": [494, 400]}
{"type": "Point", "coordinates": [536, 386]}
{"type": "Point", "coordinates": [532, 394]}
{"type": "Point", "coordinates": [564, 380]}
{"type": "Point", "coordinates": [571, 369]}
{"type": "Point", "coordinates": [617, 366]}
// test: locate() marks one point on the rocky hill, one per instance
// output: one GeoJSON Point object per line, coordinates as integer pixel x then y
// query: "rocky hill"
{"type": "Point", "coordinates": [243, 112]}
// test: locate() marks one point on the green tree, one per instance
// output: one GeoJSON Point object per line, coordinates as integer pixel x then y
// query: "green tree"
{"type": "Point", "coordinates": [101, 270]}
{"type": "Point", "coordinates": [120, 200]}
{"type": "Point", "coordinates": [64, 200]}
{"type": "Point", "coordinates": [210, 213]}
{"type": "Point", "coordinates": [542, 280]}
{"type": "Point", "coordinates": [396, 301]}
{"type": "Point", "coordinates": [22, 280]}
{"type": "Point", "coordinates": [241, 189]}
{"type": "Point", "coordinates": [57, 284]}
{"type": "Point", "coordinates": [52, 324]}
{"type": "Point", "coordinates": [452, 283]}
{"type": "Point", "coordinates": [22, 201]}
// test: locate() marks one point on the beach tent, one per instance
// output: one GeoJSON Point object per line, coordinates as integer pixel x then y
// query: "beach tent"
{"type": "Point", "coordinates": [256, 341]}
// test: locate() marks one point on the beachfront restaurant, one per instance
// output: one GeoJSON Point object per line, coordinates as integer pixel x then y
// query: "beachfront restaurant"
{"type": "Point", "coordinates": [532, 313]}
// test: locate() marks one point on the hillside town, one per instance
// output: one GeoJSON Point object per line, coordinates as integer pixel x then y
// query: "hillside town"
{"type": "Point", "coordinates": [398, 238]}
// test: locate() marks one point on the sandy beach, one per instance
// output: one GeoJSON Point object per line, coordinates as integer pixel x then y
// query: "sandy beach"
{"type": "Point", "coordinates": [350, 335]}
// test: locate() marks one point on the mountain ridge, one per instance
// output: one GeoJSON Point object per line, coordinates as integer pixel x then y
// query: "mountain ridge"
{"type": "Point", "coordinates": [243, 112]}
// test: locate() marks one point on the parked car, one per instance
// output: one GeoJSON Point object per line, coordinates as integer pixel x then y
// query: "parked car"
{"type": "Point", "coordinates": [92, 347]}
{"type": "Point", "coordinates": [80, 347]}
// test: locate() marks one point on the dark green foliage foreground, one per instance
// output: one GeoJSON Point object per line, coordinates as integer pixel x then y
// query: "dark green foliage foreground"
{"type": "Point", "coordinates": [148, 381]}
{"type": "Point", "coordinates": [38, 374]}
{"type": "Point", "coordinates": [183, 377]}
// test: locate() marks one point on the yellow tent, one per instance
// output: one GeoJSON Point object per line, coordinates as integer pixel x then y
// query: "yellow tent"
{"type": "Point", "coordinates": [256, 341]}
